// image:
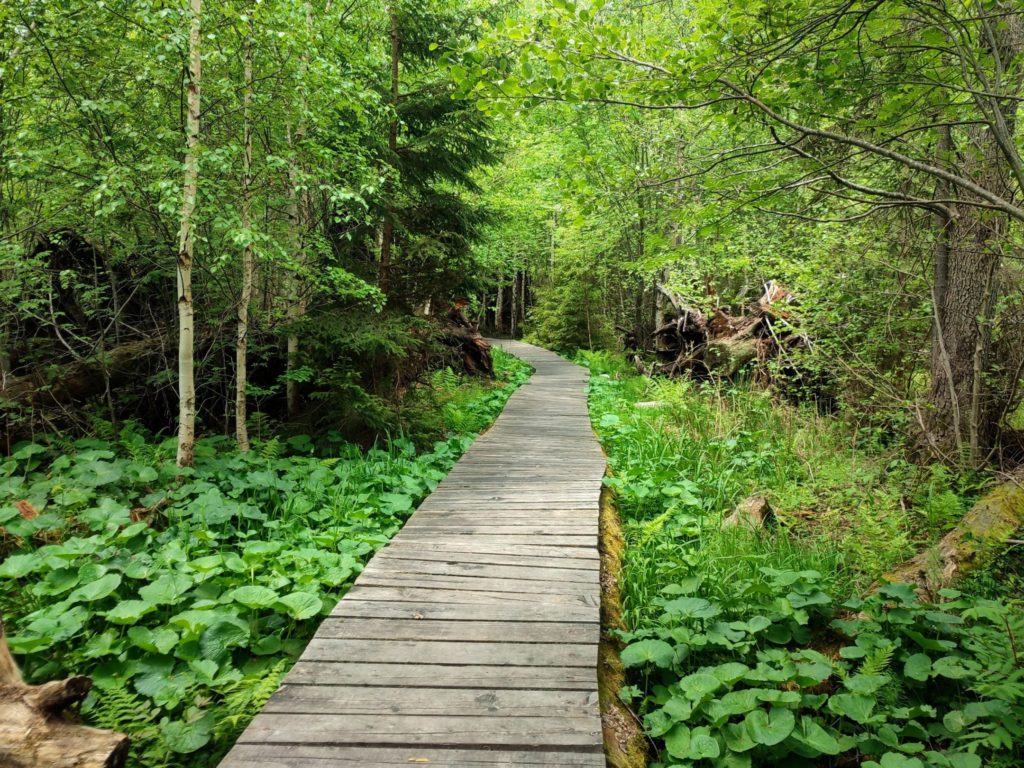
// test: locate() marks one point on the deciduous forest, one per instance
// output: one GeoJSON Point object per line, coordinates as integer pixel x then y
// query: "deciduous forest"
{"type": "Point", "coordinates": [250, 255]}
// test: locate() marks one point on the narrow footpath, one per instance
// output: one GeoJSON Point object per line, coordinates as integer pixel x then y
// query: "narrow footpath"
{"type": "Point", "coordinates": [471, 639]}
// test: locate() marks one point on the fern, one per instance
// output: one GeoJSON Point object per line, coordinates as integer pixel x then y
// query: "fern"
{"type": "Point", "coordinates": [877, 661]}
{"type": "Point", "coordinates": [246, 697]}
{"type": "Point", "coordinates": [271, 449]}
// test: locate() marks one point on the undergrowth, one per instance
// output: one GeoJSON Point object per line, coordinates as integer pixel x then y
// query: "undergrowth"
{"type": "Point", "coordinates": [750, 647]}
{"type": "Point", "coordinates": [187, 594]}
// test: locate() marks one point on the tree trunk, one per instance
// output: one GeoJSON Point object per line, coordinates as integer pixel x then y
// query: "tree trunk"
{"type": "Point", "coordinates": [186, 249]}
{"type": "Point", "coordinates": [302, 221]}
{"type": "Point", "coordinates": [514, 307]}
{"type": "Point", "coordinates": [969, 393]}
{"type": "Point", "coordinates": [35, 731]}
{"type": "Point", "coordinates": [242, 339]}
{"type": "Point", "coordinates": [499, 319]}
{"type": "Point", "coordinates": [388, 235]}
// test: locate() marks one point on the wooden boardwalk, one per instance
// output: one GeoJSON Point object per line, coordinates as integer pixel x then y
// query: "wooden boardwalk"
{"type": "Point", "coordinates": [471, 639]}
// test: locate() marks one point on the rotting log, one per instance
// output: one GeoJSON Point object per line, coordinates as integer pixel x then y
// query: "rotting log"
{"type": "Point", "coordinates": [464, 336]}
{"type": "Point", "coordinates": [79, 379]}
{"type": "Point", "coordinates": [975, 542]}
{"type": "Point", "coordinates": [36, 729]}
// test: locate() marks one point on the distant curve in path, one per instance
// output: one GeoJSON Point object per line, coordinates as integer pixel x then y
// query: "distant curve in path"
{"type": "Point", "coordinates": [471, 639]}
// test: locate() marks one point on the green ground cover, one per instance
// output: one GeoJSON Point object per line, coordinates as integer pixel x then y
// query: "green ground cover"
{"type": "Point", "coordinates": [187, 593]}
{"type": "Point", "coordinates": [754, 648]}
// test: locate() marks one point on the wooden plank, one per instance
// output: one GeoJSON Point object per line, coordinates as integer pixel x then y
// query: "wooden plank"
{"type": "Point", "coordinates": [572, 557]}
{"type": "Point", "coordinates": [367, 592]}
{"type": "Point", "coordinates": [365, 700]}
{"type": "Point", "coordinates": [324, 756]}
{"type": "Point", "coordinates": [470, 640]}
{"type": "Point", "coordinates": [410, 730]}
{"type": "Point", "coordinates": [477, 631]}
{"type": "Point", "coordinates": [463, 557]}
{"type": "Point", "coordinates": [449, 653]}
{"type": "Point", "coordinates": [397, 566]}
{"type": "Point", "coordinates": [533, 587]}
{"type": "Point", "coordinates": [430, 609]}
{"type": "Point", "coordinates": [440, 676]}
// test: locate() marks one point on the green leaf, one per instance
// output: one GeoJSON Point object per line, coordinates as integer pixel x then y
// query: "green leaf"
{"type": "Point", "coordinates": [677, 741]}
{"type": "Point", "coordinates": [703, 746]}
{"type": "Point", "coordinates": [129, 611]}
{"type": "Point", "coordinates": [699, 684]}
{"type": "Point", "coordinates": [301, 605]}
{"type": "Point", "coordinates": [771, 727]}
{"type": "Point", "coordinates": [188, 736]}
{"type": "Point", "coordinates": [691, 608]}
{"type": "Point", "coordinates": [16, 566]}
{"type": "Point", "coordinates": [918, 667]}
{"type": "Point", "coordinates": [656, 652]}
{"type": "Point", "coordinates": [167, 589]}
{"type": "Point", "coordinates": [811, 734]}
{"type": "Point", "coordinates": [221, 636]}
{"type": "Point", "coordinates": [98, 589]}
{"type": "Point", "coordinates": [857, 708]}
{"type": "Point", "coordinates": [254, 596]}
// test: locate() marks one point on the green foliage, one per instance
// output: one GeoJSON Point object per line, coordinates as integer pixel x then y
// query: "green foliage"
{"type": "Point", "coordinates": [780, 675]}
{"type": "Point", "coordinates": [186, 594]}
{"type": "Point", "coordinates": [744, 646]}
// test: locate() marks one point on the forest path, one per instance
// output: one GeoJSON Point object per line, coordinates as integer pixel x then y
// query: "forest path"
{"type": "Point", "coordinates": [471, 639]}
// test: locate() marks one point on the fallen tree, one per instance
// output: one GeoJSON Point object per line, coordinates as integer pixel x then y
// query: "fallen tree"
{"type": "Point", "coordinates": [465, 337]}
{"type": "Point", "coordinates": [36, 730]}
{"type": "Point", "coordinates": [975, 542]}
{"type": "Point", "coordinates": [79, 379]}
{"type": "Point", "coordinates": [721, 344]}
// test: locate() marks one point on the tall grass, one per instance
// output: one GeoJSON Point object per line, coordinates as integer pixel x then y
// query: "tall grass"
{"type": "Point", "coordinates": [684, 454]}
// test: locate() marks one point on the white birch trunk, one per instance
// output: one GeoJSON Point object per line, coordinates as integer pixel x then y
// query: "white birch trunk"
{"type": "Point", "coordinates": [186, 249]}
{"type": "Point", "coordinates": [242, 341]}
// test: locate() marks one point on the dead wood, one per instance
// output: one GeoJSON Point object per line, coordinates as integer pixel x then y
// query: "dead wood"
{"type": "Point", "coordinates": [754, 513]}
{"type": "Point", "coordinates": [37, 728]}
{"type": "Point", "coordinates": [722, 345]}
{"type": "Point", "coordinates": [462, 335]}
{"type": "Point", "coordinates": [975, 542]}
{"type": "Point", "coordinates": [79, 379]}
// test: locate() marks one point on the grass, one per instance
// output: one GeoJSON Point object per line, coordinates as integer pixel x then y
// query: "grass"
{"type": "Point", "coordinates": [751, 647]}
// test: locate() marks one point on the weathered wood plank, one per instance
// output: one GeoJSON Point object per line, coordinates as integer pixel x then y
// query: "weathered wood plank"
{"type": "Point", "coordinates": [322, 756]}
{"type": "Point", "coordinates": [364, 700]}
{"type": "Point", "coordinates": [430, 609]}
{"type": "Point", "coordinates": [476, 631]}
{"type": "Point", "coordinates": [424, 729]}
{"type": "Point", "coordinates": [451, 653]}
{"type": "Point", "coordinates": [470, 640]}
{"type": "Point", "coordinates": [441, 676]}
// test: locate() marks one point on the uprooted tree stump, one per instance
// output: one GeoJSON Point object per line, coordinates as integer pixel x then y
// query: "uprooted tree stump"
{"type": "Point", "coordinates": [36, 727]}
{"type": "Point", "coordinates": [721, 344]}
{"type": "Point", "coordinates": [975, 542]}
{"type": "Point", "coordinates": [462, 335]}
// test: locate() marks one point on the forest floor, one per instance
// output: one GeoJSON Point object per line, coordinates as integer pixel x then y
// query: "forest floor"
{"type": "Point", "coordinates": [755, 645]}
{"type": "Point", "coordinates": [187, 594]}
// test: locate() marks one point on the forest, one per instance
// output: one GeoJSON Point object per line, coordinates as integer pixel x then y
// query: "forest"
{"type": "Point", "coordinates": [250, 252]}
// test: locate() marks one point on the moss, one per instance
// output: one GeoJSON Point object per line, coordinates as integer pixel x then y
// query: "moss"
{"type": "Point", "coordinates": [624, 742]}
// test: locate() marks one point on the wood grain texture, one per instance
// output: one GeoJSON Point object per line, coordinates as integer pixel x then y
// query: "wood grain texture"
{"type": "Point", "coordinates": [471, 639]}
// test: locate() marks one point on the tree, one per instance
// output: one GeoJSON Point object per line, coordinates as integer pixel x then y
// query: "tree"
{"type": "Point", "coordinates": [186, 248]}
{"type": "Point", "coordinates": [840, 102]}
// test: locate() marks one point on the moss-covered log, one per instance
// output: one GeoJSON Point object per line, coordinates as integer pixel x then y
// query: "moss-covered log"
{"type": "Point", "coordinates": [973, 544]}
